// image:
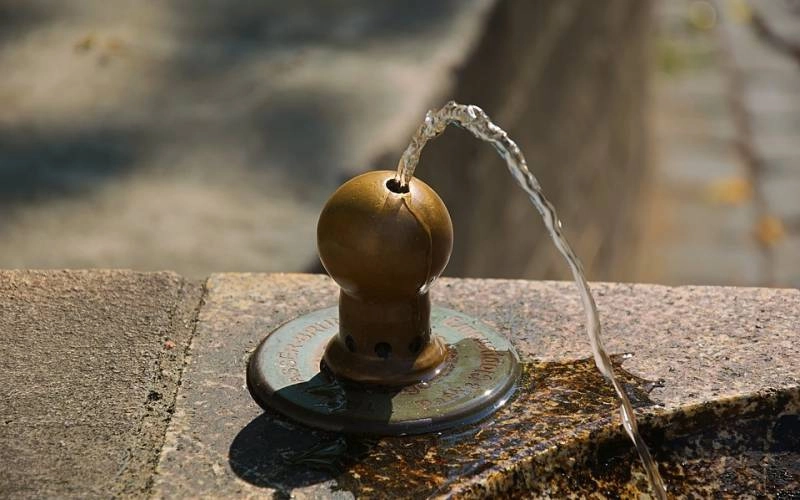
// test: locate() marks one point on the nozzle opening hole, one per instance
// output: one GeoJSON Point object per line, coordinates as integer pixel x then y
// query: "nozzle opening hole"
{"type": "Point", "coordinates": [394, 186]}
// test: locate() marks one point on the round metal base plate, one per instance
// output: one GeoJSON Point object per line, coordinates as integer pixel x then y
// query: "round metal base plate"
{"type": "Point", "coordinates": [478, 377]}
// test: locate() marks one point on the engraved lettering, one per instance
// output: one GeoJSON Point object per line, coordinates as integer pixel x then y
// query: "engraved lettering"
{"type": "Point", "coordinates": [289, 354]}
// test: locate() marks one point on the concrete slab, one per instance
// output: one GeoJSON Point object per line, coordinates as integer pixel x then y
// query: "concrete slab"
{"type": "Point", "coordinates": [132, 135]}
{"type": "Point", "coordinates": [214, 406]}
{"type": "Point", "coordinates": [704, 342]}
{"type": "Point", "coordinates": [91, 362]}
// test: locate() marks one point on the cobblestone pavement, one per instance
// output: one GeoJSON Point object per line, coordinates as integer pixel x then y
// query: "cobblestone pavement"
{"type": "Point", "coordinates": [725, 199]}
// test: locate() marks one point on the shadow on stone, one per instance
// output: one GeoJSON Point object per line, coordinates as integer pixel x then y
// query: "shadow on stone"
{"type": "Point", "coordinates": [41, 165]}
{"type": "Point", "coordinates": [243, 30]}
{"type": "Point", "coordinates": [269, 453]}
{"type": "Point", "coordinates": [17, 19]}
{"type": "Point", "coordinates": [273, 452]}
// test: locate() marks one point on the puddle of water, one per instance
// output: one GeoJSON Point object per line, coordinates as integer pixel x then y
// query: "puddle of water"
{"type": "Point", "coordinates": [554, 404]}
{"type": "Point", "coordinates": [475, 120]}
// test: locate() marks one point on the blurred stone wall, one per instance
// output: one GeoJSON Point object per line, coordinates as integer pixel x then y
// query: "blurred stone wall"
{"type": "Point", "coordinates": [569, 81]}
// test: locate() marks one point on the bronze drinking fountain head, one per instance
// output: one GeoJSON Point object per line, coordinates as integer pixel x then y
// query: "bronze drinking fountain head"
{"type": "Point", "coordinates": [384, 248]}
{"type": "Point", "coordinates": [390, 364]}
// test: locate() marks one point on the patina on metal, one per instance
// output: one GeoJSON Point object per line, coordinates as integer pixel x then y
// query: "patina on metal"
{"type": "Point", "coordinates": [386, 362]}
{"type": "Point", "coordinates": [384, 249]}
{"type": "Point", "coordinates": [477, 377]}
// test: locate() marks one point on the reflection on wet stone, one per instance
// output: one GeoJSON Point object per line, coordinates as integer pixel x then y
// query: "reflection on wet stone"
{"type": "Point", "coordinates": [554, 403]}
{"type": "Point", "coordinates": [736, 448]}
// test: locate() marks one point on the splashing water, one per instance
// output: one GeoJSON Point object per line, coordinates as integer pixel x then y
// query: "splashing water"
{"type": "Point", "coordinates": [477, 122]}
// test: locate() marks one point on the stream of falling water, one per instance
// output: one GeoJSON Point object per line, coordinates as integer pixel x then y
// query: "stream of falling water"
{"type": "Point", "coordinates": [477, 122]}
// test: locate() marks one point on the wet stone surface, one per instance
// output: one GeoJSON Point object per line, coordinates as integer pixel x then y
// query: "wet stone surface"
{"type": "Point", "coordinates": [554, 404]}
{"type": "Point", "coordinates": [744, 447]}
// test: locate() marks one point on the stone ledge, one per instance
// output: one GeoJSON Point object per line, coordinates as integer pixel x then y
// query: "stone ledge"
{"type": "Point", "coordinates": [704, 342]}
{"type": "Point", "coordinates": [92, 365]}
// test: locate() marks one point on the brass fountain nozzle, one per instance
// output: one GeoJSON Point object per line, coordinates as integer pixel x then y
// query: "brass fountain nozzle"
{"type": "Point", "coordinates": [384, 247]}
{"type": "Point", "coordinates": [386, 362]}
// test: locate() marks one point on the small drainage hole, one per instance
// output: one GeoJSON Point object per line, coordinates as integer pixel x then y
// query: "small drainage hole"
{"type": "Point", "coordinates": [350, 343]}
{"type": "Point", "coordinates": [394, 186]}
{"type": "Point", "coordinates": [416, 345]}
{"type": "Point", "coordinates": [383, 350]}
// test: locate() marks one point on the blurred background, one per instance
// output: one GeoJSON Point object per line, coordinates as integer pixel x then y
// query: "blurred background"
{"type": "Point", "coordinates": [205, 136]}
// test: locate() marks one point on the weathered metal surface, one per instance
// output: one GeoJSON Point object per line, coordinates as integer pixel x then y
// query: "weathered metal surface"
{"type": "Point", "coordinates": [384, 248]}
{"type": "Point", "coordinates": [476, 378]}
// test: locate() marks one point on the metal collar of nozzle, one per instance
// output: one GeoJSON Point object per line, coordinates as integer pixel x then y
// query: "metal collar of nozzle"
{"type": "Point", "coordinates": [386, 362]}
